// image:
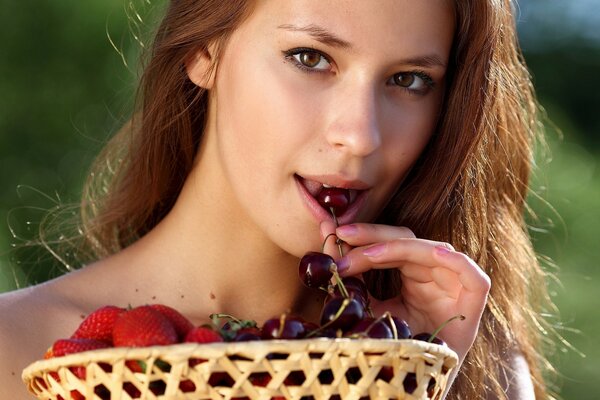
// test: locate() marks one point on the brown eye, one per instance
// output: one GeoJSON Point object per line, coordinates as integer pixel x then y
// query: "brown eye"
{"type": "Point", "coordinates": [310, 59]}
{"type": "Point", "coordinates": [404, 80]}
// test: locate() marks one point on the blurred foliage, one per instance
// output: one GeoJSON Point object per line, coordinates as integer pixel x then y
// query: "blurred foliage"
{"type": "Point", "coordinates": [65, 89]}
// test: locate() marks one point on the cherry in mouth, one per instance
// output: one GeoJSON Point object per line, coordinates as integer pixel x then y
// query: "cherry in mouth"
{"type": "Point", "coordinates": [334, 199]}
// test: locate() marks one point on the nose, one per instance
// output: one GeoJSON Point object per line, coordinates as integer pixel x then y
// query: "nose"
{"type": "Point", "coordinates": [354, 126]}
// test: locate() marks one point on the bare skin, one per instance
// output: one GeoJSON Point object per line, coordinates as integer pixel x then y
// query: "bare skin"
{"type": "Point", "coordinates": [241, 221]}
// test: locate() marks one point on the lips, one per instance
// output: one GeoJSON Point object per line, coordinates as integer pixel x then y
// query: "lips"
{"type": "Point", "coordinates": [315, 187]}
{"type": "Point", "coordinates": [312, 186]}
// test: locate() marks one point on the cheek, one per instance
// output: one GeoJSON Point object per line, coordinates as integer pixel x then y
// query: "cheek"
{"type": "Point", "coordinates": [407, 132]}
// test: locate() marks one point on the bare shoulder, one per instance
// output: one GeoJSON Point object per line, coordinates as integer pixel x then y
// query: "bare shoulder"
{"type": "Point", "coordinates": [32, 318]}
{"type": "Point", "coordinates": [516, 379]}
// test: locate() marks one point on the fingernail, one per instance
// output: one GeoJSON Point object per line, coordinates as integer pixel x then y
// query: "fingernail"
{"type": "Point", "coordinates": [375, 250]}
{"type": "Point", "coordinates": [347, 230]}
{"type": "Point", "coordinates": [343, 264]}
{"type": "Point", "coordinates": [442, 251]}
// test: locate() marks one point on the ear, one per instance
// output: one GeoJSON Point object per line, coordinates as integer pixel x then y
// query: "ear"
{"type": "Point", "coordinates": [200, 69]}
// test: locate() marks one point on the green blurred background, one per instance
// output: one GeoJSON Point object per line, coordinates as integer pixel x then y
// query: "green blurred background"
{"type": "Point", "coordinates": [64, 89]}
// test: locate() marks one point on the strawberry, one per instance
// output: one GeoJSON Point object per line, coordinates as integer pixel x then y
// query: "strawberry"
{"type": "Point", "coordinates": [99, 324]}
{"type": "Point", "coordinates": [202, 334]}
{"type": "Point", "coordinates": [63, 347]}
{"type": "Point", "coordinates": [143, 326]}
{"type": "Point", "coordinates": [181, 324]}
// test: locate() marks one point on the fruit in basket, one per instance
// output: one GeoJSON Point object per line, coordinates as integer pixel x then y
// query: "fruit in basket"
{"type": "Point", "coordinates": [283, 327]}
{"type": "Point", "coordinates": [181, 324]}
{"type": "Point", "coordinates": [143, 326]}
{"type": "Point", "coordinates": [203, 334]}
{"type": "Point", "coordinates": [63, 347]}
{"type": "Point", "coordinates": [99, 324]}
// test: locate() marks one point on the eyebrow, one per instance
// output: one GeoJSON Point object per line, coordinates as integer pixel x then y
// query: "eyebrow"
{"type": "Point", "coordinates": [320, 34]}
{"type": "Point", "coordinates": [326, 37]}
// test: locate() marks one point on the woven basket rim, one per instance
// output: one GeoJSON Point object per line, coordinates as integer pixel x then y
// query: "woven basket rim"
{"type": "Point", "coordinates": [219, 348]}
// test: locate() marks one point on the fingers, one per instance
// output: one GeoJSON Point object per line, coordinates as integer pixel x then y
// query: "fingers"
{"type": "Point", "coordinates": [429, 254]}
{"type": "Point", "coordinates": [364, 234]}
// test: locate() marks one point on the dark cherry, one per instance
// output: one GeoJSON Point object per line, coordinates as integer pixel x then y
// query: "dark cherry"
{"type": "Point", "coordinates": [291, 329]}
{"type": "Point", "coordinates": [372, 328]}
{"type": "Point", "coordinates": [315, 269]}
{"type": "Point", "coordinates": [424, 336]}
{"type": "Point", "coordinates": [355, 288]}
{"type": "Point", "coordinates": [247, 334]}
{"type": "Point", "coordinates": [350, 311]}
{"type": "Point", "coordinates": [402, 328]}
{"type": "Point", "coordinates": [335, 199]}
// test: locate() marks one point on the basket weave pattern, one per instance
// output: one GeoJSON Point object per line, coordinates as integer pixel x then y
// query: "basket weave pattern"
{"type": "Point", "coordinates": [294, 369]}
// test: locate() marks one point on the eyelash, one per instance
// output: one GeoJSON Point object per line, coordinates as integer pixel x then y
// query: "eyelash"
{"type": "Point", "coordinates": [426, 78]}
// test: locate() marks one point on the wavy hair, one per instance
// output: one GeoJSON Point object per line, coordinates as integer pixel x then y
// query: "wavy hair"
{"type": "Point", "coordinates": [468, 188]}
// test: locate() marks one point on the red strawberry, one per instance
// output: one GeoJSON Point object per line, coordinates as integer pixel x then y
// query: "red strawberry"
{"type": "Point", "coordinates": [182, 324]}
{"type": "Point", "coordinates": [63, 347]}
{"type": "Point", "coordinates": [202, 334]}
{"type": "Point", "coordinates": [143, 326]}
{"type": "Point", "coordinates": [99, 324]}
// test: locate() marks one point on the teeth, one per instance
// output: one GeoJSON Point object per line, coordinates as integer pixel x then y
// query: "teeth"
{"type": "Point", "coordinates": [327, 186]}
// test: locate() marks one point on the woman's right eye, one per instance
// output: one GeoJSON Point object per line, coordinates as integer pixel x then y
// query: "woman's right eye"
{"type": "Point", "coordinates": [308, 59]}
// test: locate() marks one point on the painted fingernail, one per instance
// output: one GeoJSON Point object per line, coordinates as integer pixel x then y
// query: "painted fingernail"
{"type": "Point", "coordinates": [343, 264]}
{"type": "Point", "coordinates": [375, 250]}
{"type": "Point", "coordinates": [442, 251]}
{"type": "Point", "coordinates": [347, 230]}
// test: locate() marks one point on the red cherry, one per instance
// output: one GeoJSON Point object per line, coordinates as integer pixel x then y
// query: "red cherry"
{"type": "Point", "coordinates": [335, 199]}
{"type": "Point", "coordinates": [315, 269]}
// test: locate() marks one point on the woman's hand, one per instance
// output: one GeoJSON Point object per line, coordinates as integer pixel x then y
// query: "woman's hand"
{"type": "Point", "coordinates": [437, 282]}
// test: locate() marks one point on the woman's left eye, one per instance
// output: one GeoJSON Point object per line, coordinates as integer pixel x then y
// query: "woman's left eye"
{"type": "Point", "coordinates": [308, 59]}
{"type": "Point", "coordinates": [416, 81]}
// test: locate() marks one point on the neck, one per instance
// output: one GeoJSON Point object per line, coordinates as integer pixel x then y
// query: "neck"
{"type": "Point", "coordinates": [208, 257]}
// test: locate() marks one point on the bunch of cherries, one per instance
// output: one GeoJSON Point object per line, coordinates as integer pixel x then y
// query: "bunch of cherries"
{"type": "Point", "coordinates": [346, 311]}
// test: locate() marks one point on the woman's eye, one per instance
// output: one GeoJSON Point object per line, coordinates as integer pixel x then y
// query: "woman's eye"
{"type": "Point", "coordinates": [413, 81]}
{"type": "Point", "coordinates": [309, 59]}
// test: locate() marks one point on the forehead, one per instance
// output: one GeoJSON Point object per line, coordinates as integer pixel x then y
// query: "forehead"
{"type": "Point", "coordinates": [368, 25]}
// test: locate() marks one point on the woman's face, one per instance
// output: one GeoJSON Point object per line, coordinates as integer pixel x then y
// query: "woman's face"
{"type": "Point", "coordinates": [344, 93]}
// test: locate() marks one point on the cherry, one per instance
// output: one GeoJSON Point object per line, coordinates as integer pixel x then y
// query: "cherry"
{"type": "Point", "coordinates": [400, 325]}
{"type": "Point", "coordinates": [432, 337]}
{"type": "Point", "coordinates": [283, 328]}
{"type": "Point", "coordinates": [334, 199]}
{"type": "Point", "coordinates": [247, 334]}
{"type": "Point", "coordinates": [372, 328]}
{"type": "Point", "coordinates": [316, 269]}
{"type": "Point", "coordinates": [355, 288]}
{"type": "Point", "coordinates": [342, 313]}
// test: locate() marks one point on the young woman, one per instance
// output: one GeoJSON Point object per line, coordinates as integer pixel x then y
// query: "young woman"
{"type": "Point", "coordinates": [422, 111]}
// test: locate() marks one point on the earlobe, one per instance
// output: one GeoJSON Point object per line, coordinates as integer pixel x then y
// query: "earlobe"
{"type": "Point", "coordinates": [200, 69]}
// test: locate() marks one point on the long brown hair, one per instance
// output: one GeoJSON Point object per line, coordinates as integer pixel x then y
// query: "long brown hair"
{"type": "Point", "coordinates": [468, 188]}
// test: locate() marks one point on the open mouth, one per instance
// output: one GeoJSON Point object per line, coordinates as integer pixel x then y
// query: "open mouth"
{"type": "Point", "coordinates": [331, 198]}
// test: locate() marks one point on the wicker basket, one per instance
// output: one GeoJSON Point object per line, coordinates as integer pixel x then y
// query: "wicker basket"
{"type": "Point", "coordinates": [292, 369]}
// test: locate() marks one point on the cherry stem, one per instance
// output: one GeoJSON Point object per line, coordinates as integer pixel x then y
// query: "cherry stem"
{"type": "Point", "coordinates": [388, 316]}
{"type": "Point", "coordinates": [338, 281]}
{"type": "Point", "coordinates": [337, 241]}
{"type": "Point", "coordinates": [282, 319]}
{"type": "Point", "coordinates": [435, 333]}
{"type": "Point", "coordinates": [325, 242]}
{"type": "Point", "coordinates": [215, 318]}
